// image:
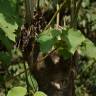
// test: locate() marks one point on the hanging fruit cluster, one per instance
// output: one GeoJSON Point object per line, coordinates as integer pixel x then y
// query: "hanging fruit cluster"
{"type": "Point", "coordinates": [29, 32]}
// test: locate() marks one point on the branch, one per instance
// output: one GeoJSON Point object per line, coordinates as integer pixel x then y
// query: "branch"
{"type": "Point", "coordinates": [43, 58]}
{"type": "Point", "coordinates": [27, 69]}
{"type": "Point", "coordinates": [74, 12]}
{"type": "Point", "coordinates": [78, 6]}
{"type": "Point", "coordinates": [58, 15]}
{"type": "Point", "coordinates": [73, 8]}
{"type": "Point", "coordinates": [29, 7]}
{"type": "Point", "coordinates": [55, 14]}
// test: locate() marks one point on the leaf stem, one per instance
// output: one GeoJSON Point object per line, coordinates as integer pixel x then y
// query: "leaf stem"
{"type": "Point", "coordinates": [58, 15]}
{"type": "Point", "coordinates": [55, 14]}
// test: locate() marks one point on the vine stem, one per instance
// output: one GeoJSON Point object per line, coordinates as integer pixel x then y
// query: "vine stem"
{"type": "Point", "coordinates": [55, 14]}
{"type": "Point", "coordinates": [32, 63]}
{"type": "Point", "coordinates": [26, 76]}
{"type": "Point", "coordinates": [38, 3]}
{"type": "Point", "coordinates": [29, 8]}
{"type": "Point", "coordinates": [77, 10]}
{"type": "Point", "coordinates": [73, 8]}
{"type": "Point", "coordinates": [43, 58]}
{"type": "Point", "coordinates": [58, 15]}
{"type": "Point", "coordinates": [74, 12]}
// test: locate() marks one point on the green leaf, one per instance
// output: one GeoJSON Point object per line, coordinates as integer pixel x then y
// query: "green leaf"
{"type": "Point", "coordinates": [32, 82]}
{"type": "Point", "coordinates": [39, 93]}
{"type": "Point", "coordinates": [73, 39]}
{"type": "Point", "coordinates": [9, 18]}
{"type": "Point", "coordinates": [17, 91]}
{"type": "Point", "coordinates": [8, 28]}
{"type": "Point", "coordinates": [89, 49]}
{"type": "Point", "coordinates": [47, 39]}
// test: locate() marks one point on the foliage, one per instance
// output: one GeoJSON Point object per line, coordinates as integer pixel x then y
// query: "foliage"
{"type": "Point", "coordinates": [8, 19]}
{"type": "Point", "coordinates": [20, 91]}
{"type": "Point", "coordinates": [66, 40]}
{"type": "Point", "coordinates": [72, 41]}
{"type": "Point", "coordinates": [39, 93]}
{"type": "Point", "coordinates": [89, 49]}
{"type": "Point", "coordinates": [47, 39]}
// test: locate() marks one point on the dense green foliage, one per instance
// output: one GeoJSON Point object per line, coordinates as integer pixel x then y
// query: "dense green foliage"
{"type": "Point", "coordinates": [67, 39]}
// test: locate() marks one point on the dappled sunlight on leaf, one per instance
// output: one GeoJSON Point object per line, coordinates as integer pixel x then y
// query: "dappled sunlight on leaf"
{"type": "Point", "coordinates": [47, 39]}
{"type": "Point", "coordinates": [74, 39]}
{"type": "Point", "coordinates": [40, 93]}
{"type": "Point", "coordinates": [17, 91]}
{"type": "Point", "coordinates": [89, 49]}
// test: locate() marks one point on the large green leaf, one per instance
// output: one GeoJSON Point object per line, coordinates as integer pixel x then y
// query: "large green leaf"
{"type": "Point", "coordinates": [39, 93]}
{"type": "Point", "coordinates": [89, 49]}
{"type": "Point", "coordinates": [8, 18]}
{"type": "Point", "coordinates": [33, 83]}
{"type": "Point", "coordinates": [47, 39]}
{"type": "Point", "coordinates": [73, 39]}
{"type": "Point", "coordinates": [8, 28]}
{"type": "Point", "coordinates": [17, 91]}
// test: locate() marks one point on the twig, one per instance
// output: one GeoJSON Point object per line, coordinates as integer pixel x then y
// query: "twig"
{"type": "Point", "coordinates": [29, 8]}
{"type": "Point", "coordinates": [43, 58]}
{"type": "Point", "coordinates": [27, 69]}
{"type": "Point", "coordinates": [74, 12]}
{"type": "Point", "coordinates": [77, 11]}
{"type": "Point", "coordinates": [78, 6]}
{"type": "Point", "coordinates": [58, 15]}
{"type": "Point", "coordinates": [38, 4]}
{"type": "Point", "coordinates": [13, 77]}
{"type": "Point", "coordinates": [32, 63]}
{"type": "Point", "coordinates": [73, 8]}
{"type": "Point", "coordinates": [55, 14]}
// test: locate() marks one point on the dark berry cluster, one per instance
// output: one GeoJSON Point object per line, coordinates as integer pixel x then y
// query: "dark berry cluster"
{"type": "Point", "coordinates": [28, 32]}
{"type": "Point", "coordinates": [25, 37]}
{"type": "Point", "coordinates": [38, 21]}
